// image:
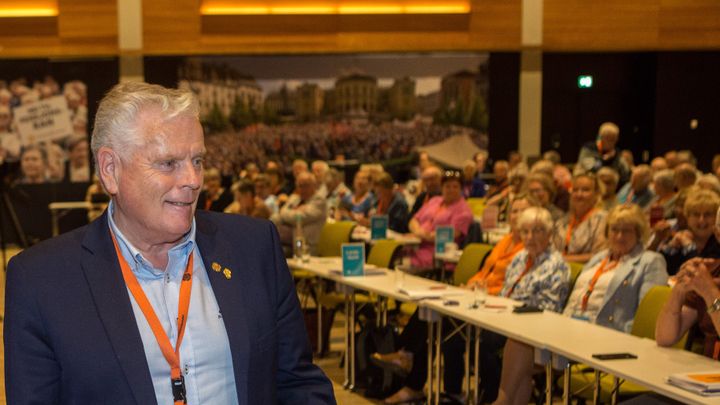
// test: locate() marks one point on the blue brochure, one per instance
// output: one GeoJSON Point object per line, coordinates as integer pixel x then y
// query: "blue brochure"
{"type": "Point", "coordinates": [353, 259]}
{"type": "Point", "coordinates": [443, 235]}
{"type": "Point", "coordinates": [378, 227]}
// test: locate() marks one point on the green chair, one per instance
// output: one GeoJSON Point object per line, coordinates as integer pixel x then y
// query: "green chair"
{"type": "Point", "coordinates": [383, 252]}
{"type": "Point", "coordinates": [477, 205]}
{"type": "Point", "coordinates": [332, 236]}
{"type": "Point", "coordinates": [575, 270]}
{"type": "Point", "coordinates": [470, 261]}
{"type": "Point", "coordinates": [643, 326]}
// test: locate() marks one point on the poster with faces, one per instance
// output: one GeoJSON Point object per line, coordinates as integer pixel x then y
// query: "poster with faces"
{"type": "Point", "coordinates": [44, 129]}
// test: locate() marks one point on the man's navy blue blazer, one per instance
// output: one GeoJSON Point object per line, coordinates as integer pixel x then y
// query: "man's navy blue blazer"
{"type": "Point", "coordinates": [71, 336]}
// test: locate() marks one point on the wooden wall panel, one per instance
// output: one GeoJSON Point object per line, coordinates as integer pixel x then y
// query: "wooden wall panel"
{"type": "Point", "coordinates": [89, 28]}
{"type": "Point", "coordinates": [84, 28]}
{"type": "Point", "coordinates": [577, 25]}
{"type": "Point", "coordinates": [689, 24]}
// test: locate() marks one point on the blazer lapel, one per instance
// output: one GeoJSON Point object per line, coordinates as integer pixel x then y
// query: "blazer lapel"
{"type": "Point", "coordinates": [622, 272]}
{"type": "Point", "coordinates": [218, 255]}
{"type": "Point", "coordinates": [100, 265]}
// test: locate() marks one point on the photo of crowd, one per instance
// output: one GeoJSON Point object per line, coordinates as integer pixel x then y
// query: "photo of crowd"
{"type": "Point", "coordinates": [44, 130]}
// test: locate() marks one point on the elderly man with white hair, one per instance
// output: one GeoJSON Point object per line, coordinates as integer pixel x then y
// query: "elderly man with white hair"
{"type": "Point", "coordinates": [603, 152]}
{"type": "Point", "coordinates": [638, 190]}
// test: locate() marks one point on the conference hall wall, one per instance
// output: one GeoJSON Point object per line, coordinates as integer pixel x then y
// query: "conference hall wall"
{"type": "Point", "coordinates": [660, 100]}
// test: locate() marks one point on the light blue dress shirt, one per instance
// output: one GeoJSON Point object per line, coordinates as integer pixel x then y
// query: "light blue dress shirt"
{"type": "Point", "coordinates": [205, 350]}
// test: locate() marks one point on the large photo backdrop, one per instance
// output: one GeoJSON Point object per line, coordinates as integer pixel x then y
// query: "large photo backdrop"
{"type": "Point", "coordinates": [360, 107]}
{"type": "Point", "coordinates": [46, 112]}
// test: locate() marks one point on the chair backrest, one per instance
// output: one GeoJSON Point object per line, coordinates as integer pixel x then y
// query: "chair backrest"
{"type": "Point", "coordinates": [382, 253]}
{"type": "Point", "coordinates": [470, 260]}
{"type": "Point", "coordinates": [575, 270]}
{"type": "Point", "coordinates": [332, 236]}
{"type": "Point", "coordinates": [477, 205]}
{"type": "Point", "coordinates": [648, 312]}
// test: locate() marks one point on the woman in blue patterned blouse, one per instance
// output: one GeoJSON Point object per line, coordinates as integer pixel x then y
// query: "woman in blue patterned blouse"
{"type": "Point", "coordinates": [538, 276]}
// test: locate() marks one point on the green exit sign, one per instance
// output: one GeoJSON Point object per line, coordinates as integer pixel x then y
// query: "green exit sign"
{"type": "Point", "coordinates": [585, 81]}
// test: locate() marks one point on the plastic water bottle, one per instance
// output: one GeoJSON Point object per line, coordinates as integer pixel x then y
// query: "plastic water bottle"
{"type": "Point", "coordinates": [300, 248]}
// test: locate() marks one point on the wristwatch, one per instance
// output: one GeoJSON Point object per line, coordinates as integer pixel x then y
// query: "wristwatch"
{"type": "Point", "coordinates": [714, 307]}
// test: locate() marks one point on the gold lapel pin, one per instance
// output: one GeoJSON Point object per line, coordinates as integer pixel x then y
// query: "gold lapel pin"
{"type": "Point", "coordinates": [216, 267]}
{"type": "Point", "coordinates": [227, 273]}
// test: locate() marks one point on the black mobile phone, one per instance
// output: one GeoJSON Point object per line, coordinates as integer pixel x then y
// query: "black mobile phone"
{"type": "Point", "coordinates": [451, 303]}
{"type": "Point", "coordinates": [526, 309]}
{"type": "Point", "coordinates": [614, 356]}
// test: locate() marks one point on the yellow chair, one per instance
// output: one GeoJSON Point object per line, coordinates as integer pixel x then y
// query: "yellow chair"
{"type": "Point", "coordinates": [383, 252]}
{"type": "Point", "coordinates": [575, 270]}
{"type": "Point", "coordinates": [332, 236]}
{"type": "Point", "coordinates": [470, 260]}
{"type": "Point", "coordinates": [643, 326]}
{"type": "Point", "coordinates": [477, 205]}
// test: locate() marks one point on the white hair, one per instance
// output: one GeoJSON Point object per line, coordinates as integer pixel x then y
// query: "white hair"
{"type": "Point", "coordinates": [116, 120]}
{"type": "Point", "coordinates": [536, 215]}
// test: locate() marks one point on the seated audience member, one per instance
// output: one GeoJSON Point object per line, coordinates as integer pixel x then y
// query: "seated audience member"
{"type": "Point", "coordinates": [473, 186]}
{"type": "Point", "coordinates": [716, 165]}
{"type": "Point", "coordinates": [561, 196]}
{"type": "Point", "coordinates": [214, 197]}
{"type": "Point", "coordinates": [335, 185]}
{"type": "Point", "coordinates": [319, 169]}
{"type": "Point", "coordinates": [277, 181]}
{"type": "Point", "coordinates": [501, 169]}
{"type": "Point", "coordinates": [581, 233]}
{"type": "Point", "coordinates": [516, 159]}
{"type": "Point", "coordinates": [637, 190]}
{"type": "Point", "coordinates": [698, 240]}
{"type": "Point", "coordinates": [607, 292]}
{"type": "Point", "coordinates": [610, 179]}
{"type": "Point", "coordinates": [695, 299]}
{"type": "Point", "coordinates": [413, 339]}
{"type": "Point", "coordinates": [481, 159]}
{"type": "Point", "coordinates": [603, 152]}
{"type": "Point", "coordinates": [33, 165]}
{"type": "Point", "coordinates": [77, 167]}
{"type": "Point", "coordinates": [542, 189]}
{"type": "Point", "coordinates": [431, 187]}
{"type": "Point", "coordinates": [627, 156]}
{"type": "Point", "coordinates": [361, 199]}
{"type": "Point", "coordinates": [516, 181]}
{"type": "Point", "coordinates": [664, 186]}
{"type": "Point", "coordinates": [263, 192]}
{"type": "Point", "coordinates": [657, 164]}
{"type": "Point", "coordinates": [665, 229]}
{"type": "Point", "coordinates": [538, 276]}
{"type": "Point", "coordinates": [246, 202]}
{"type": "Point", "coordinates": [686, 156]}
{"type": "Point", "coordinates": [671, 158]}
{"type": "Point", "coordinates": [709, 182]}
{"type": "Point", "coordinates": [423, 162]}
{"type": "Point", "coordinates": [447, 209]}
{"type": "Point", "coordinates": [390, 202]}
{"type": "Point", "coordinates": [561, 174]}
{"type": "Point", "coordinates": [250, 171]}
{"type": "Point", "coordinates": [306, 206]}
{"type": "Point", "coordinates": [685, 176]}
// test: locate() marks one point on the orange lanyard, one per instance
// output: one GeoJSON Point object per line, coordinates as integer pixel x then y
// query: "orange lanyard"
{"type": "Point", "coordinates": [528, 265]}
{"type": "Point", "coordinates": [599, 272]}
{"type": "Point", "coordinates": [172, 356]}
{"type": "Point", "coordinates": [571, 226]}
{"type": "Point", "coordinates": [382, 206]}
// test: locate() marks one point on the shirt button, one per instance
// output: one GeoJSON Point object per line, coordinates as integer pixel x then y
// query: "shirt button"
{"type": "Point", "coordinates": [625, 282]}
{"type": "Point", "coordinates": [610, 318]}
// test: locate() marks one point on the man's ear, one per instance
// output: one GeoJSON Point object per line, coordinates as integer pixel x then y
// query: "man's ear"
{"type": "Point", "coordinates": [109, 169]}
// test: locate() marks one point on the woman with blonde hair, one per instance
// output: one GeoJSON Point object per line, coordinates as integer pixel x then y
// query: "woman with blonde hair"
{"type": "Point", "coordinates": [581, 233]}
{"type": "Point", "coordinates": [699, 209]}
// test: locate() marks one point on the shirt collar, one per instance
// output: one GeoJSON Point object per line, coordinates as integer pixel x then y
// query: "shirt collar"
{"type": "Point", "coordinates": [133, 255]}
